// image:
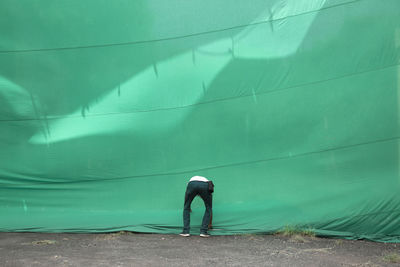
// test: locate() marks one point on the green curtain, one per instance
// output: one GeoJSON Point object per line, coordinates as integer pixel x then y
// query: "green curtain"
{"type": "Point", "coordinates": [290, 107]}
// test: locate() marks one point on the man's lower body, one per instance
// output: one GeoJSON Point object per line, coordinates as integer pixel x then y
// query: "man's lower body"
{"type": "Point", "coordinates": [193, 189]}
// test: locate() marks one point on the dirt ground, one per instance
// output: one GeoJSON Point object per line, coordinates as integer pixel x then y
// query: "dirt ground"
{"type": "Point", "coordinates": [130, 249]}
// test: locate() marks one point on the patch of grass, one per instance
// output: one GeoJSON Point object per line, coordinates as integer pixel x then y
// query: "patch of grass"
{"type": "Point", "coordinates": [124, 233]}
{"type": "Point", "coordinates": [318, 250]}
{"type": "Point", "coordinates": [298, 238]}
{"type": "Point", "coordinates": [289, 230]}
{"type": "Point", "coordinates": [250, 236]}
{"type": "Point", "coordinates": [338, 242]}
{"type": "Point", "coordinates": [44, 242]}
{"type": "Point", "coordinates": [112, 236]}
{"type": "Point", "coordinates": [392, 257]}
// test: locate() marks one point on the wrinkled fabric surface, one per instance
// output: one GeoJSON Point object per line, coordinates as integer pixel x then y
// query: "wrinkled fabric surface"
{"type": "Point", "coordinates": [291, 107]}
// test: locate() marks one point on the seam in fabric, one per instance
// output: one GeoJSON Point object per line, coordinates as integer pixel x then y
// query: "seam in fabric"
{"type": "Point", "coordinates": [201, 103]}
{"type": "Point", "coordinates": [225, 165]}
{"type": "Point", "coordinates": [175, 37]}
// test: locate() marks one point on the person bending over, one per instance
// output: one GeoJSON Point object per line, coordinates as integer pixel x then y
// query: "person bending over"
{"type": "Point", "coordinates": [203, 187]}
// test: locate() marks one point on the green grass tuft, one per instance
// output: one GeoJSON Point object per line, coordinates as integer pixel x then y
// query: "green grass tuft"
{"type": "Point", "coordinates": [289, 230]}
{"type": "Point", "coordinates": [392, 258]}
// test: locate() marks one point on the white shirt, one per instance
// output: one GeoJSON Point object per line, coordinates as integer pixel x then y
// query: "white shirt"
{"type": "Point", "coordinates": [198, 178]}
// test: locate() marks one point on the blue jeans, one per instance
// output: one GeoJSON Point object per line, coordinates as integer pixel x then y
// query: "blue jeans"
{"type": "Point", "coordinates": [193, 189]}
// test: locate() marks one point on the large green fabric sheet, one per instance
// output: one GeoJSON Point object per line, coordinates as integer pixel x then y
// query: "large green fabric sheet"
{"type": "Point", "coordinates": [291, 107]}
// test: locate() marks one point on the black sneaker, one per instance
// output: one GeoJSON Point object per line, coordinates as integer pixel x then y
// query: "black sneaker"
{"type": "Point", "coordinates": [204, 235]}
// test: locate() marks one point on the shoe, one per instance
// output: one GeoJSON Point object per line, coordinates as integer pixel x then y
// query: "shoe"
{"type": "Point", "coordinates": [204, 235]}
{"type": "Point", "coordinates": [185, 235]}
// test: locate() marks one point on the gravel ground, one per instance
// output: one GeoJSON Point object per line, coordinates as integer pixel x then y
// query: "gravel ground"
{"type": "Point", "coordinates": [129, 249]}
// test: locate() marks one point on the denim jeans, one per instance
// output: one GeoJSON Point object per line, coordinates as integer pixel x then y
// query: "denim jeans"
{"type": "Point", "coordinates": [193, 189]}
